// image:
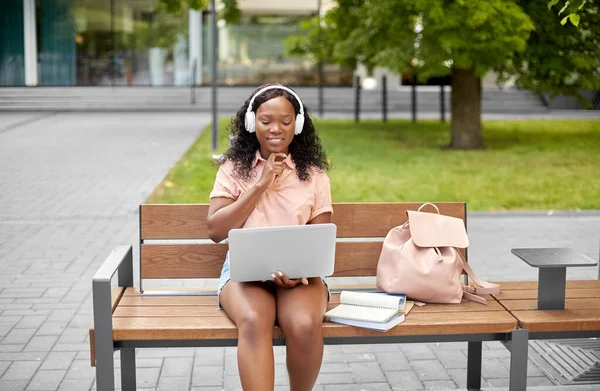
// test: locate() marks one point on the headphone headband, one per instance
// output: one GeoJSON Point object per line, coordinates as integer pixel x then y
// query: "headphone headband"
{"type": "Point", "coordinates": [250, 120]}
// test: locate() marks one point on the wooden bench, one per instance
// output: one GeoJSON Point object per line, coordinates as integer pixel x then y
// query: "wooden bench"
{"type": "Point", "coordinates": [579, 319]}
{"type": "Point", "coordinates": [552, 307]}
{"type": "Point", "coordinates": [126, 320]}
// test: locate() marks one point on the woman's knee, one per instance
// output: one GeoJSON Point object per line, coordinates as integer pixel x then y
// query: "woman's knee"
{"type": "Point", "coordinates": [250, 307]}
{"type": "Point", "coordinates": [302, 328]}
{"type": "Point", "coordinates": [254, 324]}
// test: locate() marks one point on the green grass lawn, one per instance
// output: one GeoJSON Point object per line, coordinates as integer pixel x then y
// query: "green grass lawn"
{"type": "Point", "coordinates": [549, 164]}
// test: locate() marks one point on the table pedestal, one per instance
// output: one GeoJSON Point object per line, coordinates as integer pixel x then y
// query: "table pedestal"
{"type": "Point", "coordinates": [551, 288]}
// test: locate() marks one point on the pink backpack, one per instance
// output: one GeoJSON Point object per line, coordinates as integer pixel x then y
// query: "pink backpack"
{"type": "Point", "coordinates": [419, 259]}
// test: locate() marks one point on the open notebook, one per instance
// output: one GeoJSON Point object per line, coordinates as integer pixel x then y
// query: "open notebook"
{"type": "Point", "coordinates": [368, 309]}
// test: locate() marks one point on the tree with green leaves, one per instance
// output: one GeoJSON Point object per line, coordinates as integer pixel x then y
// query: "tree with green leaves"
{"type": "Point", "coordinates": [519, 39]}
{"type": "Point", "coordinates": [558, 59]}
{"type": "Point", "coordinates": [174, 6]}
{"type": "Point", "coordinates": [230, 11]}
{"type": "Point", "coordinates": [465, 39]}
{"type": "Point", "coordinates": [569, 10]}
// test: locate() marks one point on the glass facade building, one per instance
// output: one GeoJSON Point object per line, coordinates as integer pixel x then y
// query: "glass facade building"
{"type": "Point", "coordinates": [134, 43]}
{"type": "Point", "coordinates": [96, 43]}
{"type": "Point", "coordinates": [12, 43]}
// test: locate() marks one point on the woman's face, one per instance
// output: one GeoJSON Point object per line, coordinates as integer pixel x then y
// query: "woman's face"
{"type": "Point", "coordinates": [275, 124]}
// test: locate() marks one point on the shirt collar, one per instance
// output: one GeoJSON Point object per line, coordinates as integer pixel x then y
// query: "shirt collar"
{"type": "Point", "coordinates": [288, 160]}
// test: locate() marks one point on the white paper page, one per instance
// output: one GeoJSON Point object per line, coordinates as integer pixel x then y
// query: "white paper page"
{"type": "Point", "coordinates": [371, 325]}
{"type": "Point", "coordinates": [369, 314]}
{"type": "Point", "coordinates": [370, 299]}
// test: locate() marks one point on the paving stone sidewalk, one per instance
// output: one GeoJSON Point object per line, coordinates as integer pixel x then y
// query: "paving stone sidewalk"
{"type": "Point", "coordinates": [70, 187]}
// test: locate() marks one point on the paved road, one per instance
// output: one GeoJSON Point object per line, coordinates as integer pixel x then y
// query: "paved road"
{"type": "Point", "coordinates": [71, 184]}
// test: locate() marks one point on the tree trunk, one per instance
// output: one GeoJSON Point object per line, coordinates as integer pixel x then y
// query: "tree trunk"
{"type": "Point", "coordinates": [465, 125]}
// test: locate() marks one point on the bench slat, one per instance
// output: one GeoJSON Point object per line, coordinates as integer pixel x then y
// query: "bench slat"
{"type": "Point", "coordinates": [182, 261]}
{"type": "Point", "coordinates": [155, 305]}
{"type": "Point", "coordinates": [173, 221]}
{"type": "Point", "coordinates": [206, 260]}
{"type": "Point", "coordinates": [164, 310]}
{"type": "Point", "coordinates": [212, 289]}
{"type": "Point", "coordinates": [517, 294]}
{"type": "Point", "coordinates": [116, 294]}
{"type": "Point", "coordinates": [559, 320]}
{"type": "Point", "coordinates": [215, 328]}
{"type": "Point", "coordinates": [376, 219]}
{"type": "Point", "coordinates": [188, 221]}
{"type": "Point", "coordinates": [524, 285]}
{"type": "Point", "coordinates": [581, 311]}
{"type": "Point", "coordinates": [570, 304]}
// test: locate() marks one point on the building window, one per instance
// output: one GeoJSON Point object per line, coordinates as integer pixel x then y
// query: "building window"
{"type": "Point", "coordinates": [136, 43]}
{"type": "Point", "coordinates": [12, 56]}
{"type": "Point", "coordinates": [253, 53]}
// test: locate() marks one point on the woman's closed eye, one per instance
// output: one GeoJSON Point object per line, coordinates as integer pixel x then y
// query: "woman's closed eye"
{"type": "Point", "coordinates": [283, 123]}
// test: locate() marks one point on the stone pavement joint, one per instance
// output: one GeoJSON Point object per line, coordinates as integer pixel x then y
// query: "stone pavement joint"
{"type": "Point", "coordinates": [15, 120]}
{"type": "Point", "coordinates": [72, 183]}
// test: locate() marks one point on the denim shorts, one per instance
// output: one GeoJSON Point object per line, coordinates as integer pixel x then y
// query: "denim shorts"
{"type": "Point", "coordinates": [225, 277]}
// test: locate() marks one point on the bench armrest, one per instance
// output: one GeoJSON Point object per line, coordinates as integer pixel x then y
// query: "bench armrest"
{"type": "Point", "coordinates": [114, 262]}
{"type": "Point", "coordinates": [121, 260]}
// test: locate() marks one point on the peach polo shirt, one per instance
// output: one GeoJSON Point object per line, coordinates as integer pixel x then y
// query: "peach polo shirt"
{"type": "Point", "coordinates": [289, 201]}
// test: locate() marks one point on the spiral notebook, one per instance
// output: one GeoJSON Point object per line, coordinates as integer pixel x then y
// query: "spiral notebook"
{"type": "Point", "coordinates": [397, 319]}
{"type": "Point", "coordinates": [367, 307]}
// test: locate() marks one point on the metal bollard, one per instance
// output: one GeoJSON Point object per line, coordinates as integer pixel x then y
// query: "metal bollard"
{"type": "Point", "coordinates": [413, 99]}
{"type": "Point", "coordinates": [384, 97]}
{"type": "Point", "coordinates": [357, 99]}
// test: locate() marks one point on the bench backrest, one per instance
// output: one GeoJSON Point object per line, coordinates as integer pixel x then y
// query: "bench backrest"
{"type": "Point", "coordinates": [173, 224]}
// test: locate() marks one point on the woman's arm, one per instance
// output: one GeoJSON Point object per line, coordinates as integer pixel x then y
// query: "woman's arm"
{"type": "Point", "coordinates": [225, 214]}
{"type": "Point", "coordinates": [322, 208]}
{"type": "Point", "coordinates": [323, 218]}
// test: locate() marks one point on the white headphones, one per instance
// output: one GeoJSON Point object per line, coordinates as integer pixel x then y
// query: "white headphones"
{"type": "Point", "coordinates": [250, 119]}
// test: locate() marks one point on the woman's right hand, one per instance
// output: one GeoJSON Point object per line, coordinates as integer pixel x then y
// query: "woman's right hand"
{"type": "Point", "coordinates": [283, 281]}
{"type": "Point", "coordinates": [273, 168]}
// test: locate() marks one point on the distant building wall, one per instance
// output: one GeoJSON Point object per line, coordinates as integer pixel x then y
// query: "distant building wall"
{"type": "Point", "coordinates": [130, 43]}
{"type": "Point", "coordinates": [301, 7]}
{"type": "Point", "coordinates": [12, 61]}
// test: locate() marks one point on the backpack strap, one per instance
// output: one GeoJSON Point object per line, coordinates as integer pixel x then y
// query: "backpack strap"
{"type": "Point", "coordinates": [472, 297]}
{"type": "Point", "coordinates": [470, 292]}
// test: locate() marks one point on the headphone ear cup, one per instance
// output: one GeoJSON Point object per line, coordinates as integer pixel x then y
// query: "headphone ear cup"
{"type": "Point", "coordinates": [299, 124]}
{"type": "Point", "coordinates": [250, 122]}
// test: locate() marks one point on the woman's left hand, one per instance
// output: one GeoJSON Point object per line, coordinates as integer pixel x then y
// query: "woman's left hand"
{"type": "Point", "coordinates": [281, 280]}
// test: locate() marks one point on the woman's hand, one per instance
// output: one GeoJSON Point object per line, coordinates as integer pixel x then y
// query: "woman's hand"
{"type": "Point", "coordinates": [225, 214]}
{"type": "Point", "coordinates": [281, 280]}
{"type": "Point", "coordinates": [273, 168]}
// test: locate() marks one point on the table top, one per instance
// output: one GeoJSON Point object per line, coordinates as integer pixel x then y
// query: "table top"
{"type": "Point", "coordinates": [553, 257]}
{"type": "Point", "coordinates": [581, 313]}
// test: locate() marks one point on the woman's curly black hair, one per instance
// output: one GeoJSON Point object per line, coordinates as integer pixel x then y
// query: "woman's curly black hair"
{"type": "Point", "coordinates": [306, 149]}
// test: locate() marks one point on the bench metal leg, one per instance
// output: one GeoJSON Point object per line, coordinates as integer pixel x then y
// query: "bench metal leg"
{"type": "Point", "coordinates": [105, 370]}
{"type": "Point", "coordinates": [128, 369]}
{"type": "Point", "coordinates": [103, 342]}
{"type": "Point", "coordinates": [121, 259]}
{"type": "Point", "coordinates": [474, 366]}
{"type": "Point", "coordinates": [519, 346]}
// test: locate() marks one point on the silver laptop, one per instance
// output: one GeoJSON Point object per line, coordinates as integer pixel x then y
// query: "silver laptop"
{"type": "Point", "coordinates": [299, 251]}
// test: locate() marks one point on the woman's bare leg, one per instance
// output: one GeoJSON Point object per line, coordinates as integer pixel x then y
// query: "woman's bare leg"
{"type": "Point", "coordinates": [251, 306]}
{"type": "Point", "coordinates": [300, 312]}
